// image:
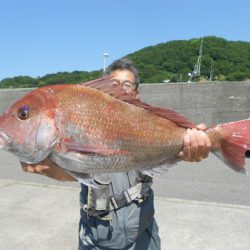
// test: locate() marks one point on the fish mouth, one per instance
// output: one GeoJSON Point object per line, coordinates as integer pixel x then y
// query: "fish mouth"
{"type": "Point", "coordinates": [4, 140]}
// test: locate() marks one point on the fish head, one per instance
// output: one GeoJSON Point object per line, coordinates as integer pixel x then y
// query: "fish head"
{"type": "Point", "coordinates": [28, 128]}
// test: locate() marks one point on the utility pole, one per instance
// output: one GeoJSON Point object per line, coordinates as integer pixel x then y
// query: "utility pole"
{"type": "Point", "coordinates": [211, 70]}
{"type": "Point", "coordinates": [180, 77]}
{"type": "Point", "coordinates": [197, 67]}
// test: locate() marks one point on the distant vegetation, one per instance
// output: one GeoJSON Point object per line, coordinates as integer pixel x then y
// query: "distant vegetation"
{"type": "Point", "coordinates": [170, 61]}
{"type": "Point", "coordinates": [57, 78]}
{"type": "Point", "coordinates": [175, 59]}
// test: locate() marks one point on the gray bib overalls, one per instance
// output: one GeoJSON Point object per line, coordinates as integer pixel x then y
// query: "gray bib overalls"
{"type": "Point", "coordinates": [119, 214]}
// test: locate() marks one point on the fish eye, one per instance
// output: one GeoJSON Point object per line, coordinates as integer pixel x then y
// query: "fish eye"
{"type": "Point", "coordinates": [23, 112]}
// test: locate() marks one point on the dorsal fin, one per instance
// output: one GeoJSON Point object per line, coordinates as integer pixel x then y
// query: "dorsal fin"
{"type": "Point", "coordinates": [108, 86]}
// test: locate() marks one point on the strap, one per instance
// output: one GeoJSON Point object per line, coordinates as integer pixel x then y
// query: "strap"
{"type": "Point", "coordinates": [100, 202]}
{"type": "Point", "coordinates": [136, 192]}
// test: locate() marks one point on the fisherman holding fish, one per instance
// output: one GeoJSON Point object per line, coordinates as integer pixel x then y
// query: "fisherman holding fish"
{"type": "Point", "coordinates": [117, 209]}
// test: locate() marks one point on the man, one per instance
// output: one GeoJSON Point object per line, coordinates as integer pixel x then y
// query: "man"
{"type": "Point", "coordinates": [119, 213]}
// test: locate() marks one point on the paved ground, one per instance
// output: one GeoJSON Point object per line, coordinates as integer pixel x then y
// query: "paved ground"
{"type": "Point", "coordinates": [198, 206]}
{"type": "Point", "coordinates": [33, 216]}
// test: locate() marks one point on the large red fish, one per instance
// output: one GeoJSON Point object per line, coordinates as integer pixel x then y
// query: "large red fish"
{"type": "Point", "coordinates": [98, 128]}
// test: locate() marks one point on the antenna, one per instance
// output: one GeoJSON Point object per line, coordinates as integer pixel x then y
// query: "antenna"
{"type": "Point", "coordinates": [197, 67]}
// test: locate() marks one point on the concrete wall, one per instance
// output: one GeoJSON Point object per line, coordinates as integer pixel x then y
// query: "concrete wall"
{"type": "Point", "coordinates": [9, 96]}
{"type": "Point", "coordinates": [211, 103]}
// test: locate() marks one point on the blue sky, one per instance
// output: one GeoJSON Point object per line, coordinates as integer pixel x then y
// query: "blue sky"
{"type": "Point", "coordinates": [41, 37]}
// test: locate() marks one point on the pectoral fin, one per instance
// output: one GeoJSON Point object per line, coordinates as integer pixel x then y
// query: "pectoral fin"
{"type": "Point", "coordinates": [90, 149]}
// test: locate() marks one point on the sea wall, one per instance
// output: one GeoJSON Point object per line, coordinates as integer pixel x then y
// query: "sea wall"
{"type": "Point", "coordinates": [212, 103]}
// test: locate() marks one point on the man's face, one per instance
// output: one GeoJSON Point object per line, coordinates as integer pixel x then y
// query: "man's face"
{"type": "Point", "coordinates": [126, 79]}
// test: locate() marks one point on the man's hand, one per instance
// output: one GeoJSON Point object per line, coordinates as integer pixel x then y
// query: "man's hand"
{"type": "Point", "coordinates": [49, 169]}
{"type": "Point", "coordinates": [196, 144]}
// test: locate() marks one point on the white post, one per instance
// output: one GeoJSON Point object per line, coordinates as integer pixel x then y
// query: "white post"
{"type": "Point", "coordinates": [105, 55]}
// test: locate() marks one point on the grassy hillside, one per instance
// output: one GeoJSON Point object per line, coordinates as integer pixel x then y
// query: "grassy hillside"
{"type": "Point", "coordinates": [172, 61]}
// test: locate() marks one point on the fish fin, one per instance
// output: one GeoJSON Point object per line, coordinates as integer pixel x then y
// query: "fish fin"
{"type": "Point", "coordinates": [147, 172]}
{"type": "Point", "coordinates": [165, 113]}
{"type": "Point", "coordinates": [85, 179]}
{"type": "Point", "coordinates": [79, 163]}
{"type": "Point", "coordinates": [157, 171]}
{"type": "Point", "coordinates": [233, 143]}
{"type": "Point", "coordinates": [70, 161]}
{"type": "Point", "coordinates": [108, 86]}
{"type": "Point", "coordinates": [89, 149]}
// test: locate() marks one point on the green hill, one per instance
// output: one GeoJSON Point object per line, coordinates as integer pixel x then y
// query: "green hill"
{"type": "Point", "coordinates": [171, 60]}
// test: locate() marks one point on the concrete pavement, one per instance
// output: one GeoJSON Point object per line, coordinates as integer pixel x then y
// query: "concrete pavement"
{"type": "Point", "coordinates": [33, 216]}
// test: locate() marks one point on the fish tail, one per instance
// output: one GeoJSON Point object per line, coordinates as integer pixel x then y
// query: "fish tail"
{"type": "Point", "coordinates": [230, 142]}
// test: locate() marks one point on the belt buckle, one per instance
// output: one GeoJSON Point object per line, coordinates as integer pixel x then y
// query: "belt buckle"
{"type": "Point", "coordinates": [118, 200]}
